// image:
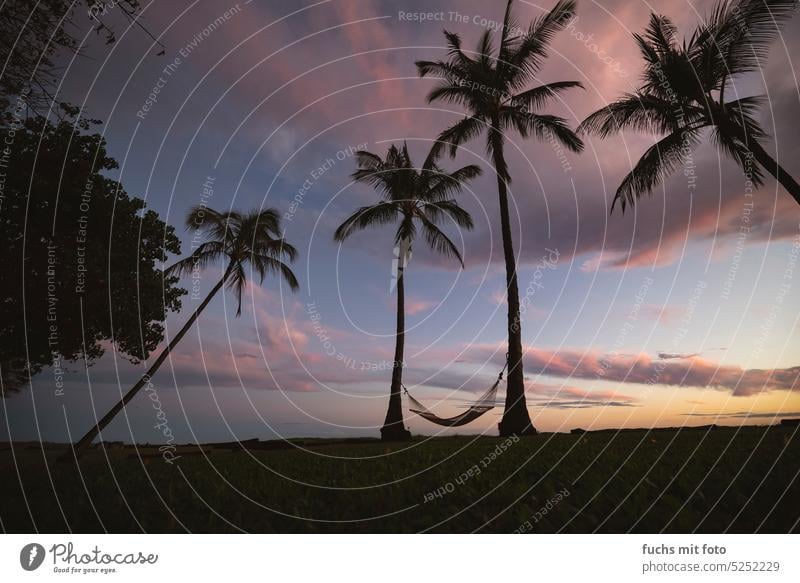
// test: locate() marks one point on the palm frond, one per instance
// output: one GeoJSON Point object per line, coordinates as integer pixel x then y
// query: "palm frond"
{"type": "Point", "coordinates": [454, 50]}
{"type": "Point", "coordinates": [375, 171]}
{"type": "Point", "coordinates": [544, 127]}
{"type": "Point", "coordinates": [378, 179]}
{"type": "Point", "coordinates": [462, 131]}
{"type": "Point", "coordinates": [368, 161]}
{"type": "Point", "coordinates": [268, 220]}
{"type": "Point", "coordinates": [462, 95]}
{"type": "Point", "coordinates": [660, 33]}
{"type": "Point", "coordinates": [533, 99]}
{"type": "Point", "coordinates": [441, 69]}
{"type": "Point", "coordinates": [437, 211]}
{"type": "Point", "coordinates": [443, 185]}
{"type": "Point", "coordinates": [382, 213]}
{"type": "Point", "coordinates": [237, 282]}
{"type": "Point", "coordinates": [507, 43]}
{"type": "Point", "coordinates": [743, 30]}
{"type": "Point", "coordinates": [636, 111]}
{"type": "Point", "coordinates": [648, 52]}
{"type": "Point", "coordinates": [485, 49]}
{"type": "Point", "coordinates": [266, 264]}
{"type": "Point", "coordinates": [438, 241]}
{"type": "Point", "coordinates": [434, 154]}
{"type": "Point", "coordinates": [278, 248]}
{"type": "Point", "coordinates": [657, 163]}
{"type": "Point", "coordinates": [203, 256]}
{"type": "Point", "coordinates": [740, 151]}
{"type": "Point", "coordinates": [743, 113]}
{"type": "Point", "coordinates": [529, 55]}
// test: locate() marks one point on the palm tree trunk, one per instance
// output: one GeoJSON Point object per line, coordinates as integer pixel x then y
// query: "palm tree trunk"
{"type": "Point", "coordinates": [393, 428]}
{"type": "Point", "coordinates": [770, 165]}
{"type": "Point", "coordinates": [108, 417]}
{"type": "Point", "coordinates": [516, 419]}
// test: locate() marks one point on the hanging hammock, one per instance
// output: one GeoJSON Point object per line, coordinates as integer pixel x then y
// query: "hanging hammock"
{"type": "Point", "coordinates": [483, 405]}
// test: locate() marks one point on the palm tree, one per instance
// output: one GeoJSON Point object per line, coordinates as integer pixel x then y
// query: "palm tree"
{"type": "Point", "coordinates": [684, 92]}
{"type": "Point", "coordinates": [253, 238]}
{"type": "Point", "coordinates": [414, 198]}
{"type": "Point", "coordinates": [492, 89]}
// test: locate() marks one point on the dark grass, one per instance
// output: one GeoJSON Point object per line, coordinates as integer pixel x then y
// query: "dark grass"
{"type": "Point", "coordinates": [717, 480]}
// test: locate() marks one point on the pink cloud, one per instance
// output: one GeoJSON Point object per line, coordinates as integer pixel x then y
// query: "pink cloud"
{"type": "Point", "coordinates": [643, 369]}
{"type": "Point", "coordinates": [417, 306]}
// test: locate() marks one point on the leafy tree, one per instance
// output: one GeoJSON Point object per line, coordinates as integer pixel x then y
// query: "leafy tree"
{"type": "Point", "coordinates": [81, 258]}
{"type": "Point", "coordinates": [237, 239]}
{"type": "Point", "coordinates": [683, 94]}
{"type": "Point", "coordinates": [417, 199]}
{"type": "Point", "coordinates": [492, 89]}
{"type": "Point", "coordinates": [34, 34]}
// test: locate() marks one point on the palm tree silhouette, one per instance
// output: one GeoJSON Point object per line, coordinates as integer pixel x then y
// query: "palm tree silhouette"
{"type": "Point", "coordinates": [253, 238]}
{"type": "Point", "coordinates": [491, 89]}
{"type": "Point", "coordinates": [683, 93]}
{"type": "Point", "coordinates": [416, 198]}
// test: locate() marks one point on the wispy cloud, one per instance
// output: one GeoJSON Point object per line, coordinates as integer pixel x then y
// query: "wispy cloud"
{"type": "Point", "coordinates": [643, 369]}
{"type": "Point", "coordinates": [748, 415]}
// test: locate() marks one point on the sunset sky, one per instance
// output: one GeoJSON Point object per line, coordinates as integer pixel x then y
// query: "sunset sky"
{"type": "Point", "coordinates": [684, 310]}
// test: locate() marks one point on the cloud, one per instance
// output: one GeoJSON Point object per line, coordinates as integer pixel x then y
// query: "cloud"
{"type": "Point", "coordinates": [676, 355]}
{"type": "Point", "coordinates": [643, 369]}
{"type": "Point", "coordinates": [748, 415]}
{"type": "Point", "coordinates": [684, 355]}
{"type": "Point", "coordinates": [555, 397]}
{"type": "Point", "coordinates": [417, 305]}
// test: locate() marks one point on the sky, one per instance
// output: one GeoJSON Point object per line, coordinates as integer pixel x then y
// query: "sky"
{"type": "Point", "coordinates": [682, 311]}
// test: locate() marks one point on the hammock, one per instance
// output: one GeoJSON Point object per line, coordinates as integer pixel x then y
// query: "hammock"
{"type": "Point", "coordinates": [483, 405]}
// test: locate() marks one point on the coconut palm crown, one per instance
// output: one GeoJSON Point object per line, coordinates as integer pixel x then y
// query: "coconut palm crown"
{"type": "Point", "coordinates": [686, 89]}
{"type": "Point", "coordinates": [238, 239]}
{"type": "Point", "coordinates": [411, 197]}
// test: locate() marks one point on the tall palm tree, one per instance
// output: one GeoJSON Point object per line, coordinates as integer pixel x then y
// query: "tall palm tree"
{"type": "Point", "coordinates": [683, 92]}
{"type": "Point", "coordinates": [416, 199]}
{"type": "Point", "coordinates": [240, 239]}
{"type": "Point", "coordinates": [492, 89]}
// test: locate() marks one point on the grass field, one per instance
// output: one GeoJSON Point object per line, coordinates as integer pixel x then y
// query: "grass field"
{"type": "Point", "coordinates": [715, 480]}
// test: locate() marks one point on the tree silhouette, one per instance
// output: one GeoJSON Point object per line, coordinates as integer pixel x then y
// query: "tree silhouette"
{"type": "Point", "coordinates": [239, 240]}
{"type": "Point", "coordinates": [683, 94]}
{"type": "Point", "coordinates": [492, 90]}
{"type": "Point", "coordinates": [418, 199]}
{"type": "Point", "coordinates": [35, 36]}
{"type": "Point", "coordinates": [81, 257]}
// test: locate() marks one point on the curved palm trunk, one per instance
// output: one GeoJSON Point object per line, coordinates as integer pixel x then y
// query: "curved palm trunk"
{"type": "Point", "coordinates": [516, 419]}
{"type": "Point", "coordinates": [108, 417]}
{"type": "Point", "coordinates": [393, 428]}
{"type": "Point", "coordinates": [770, 165]}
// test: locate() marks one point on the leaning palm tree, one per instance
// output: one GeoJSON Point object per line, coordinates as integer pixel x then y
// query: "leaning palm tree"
{"type": "Point", "coordinates": [415, 198]}
{"type": "Point", "coordinates": [239, 239]}
{"type": "Point", "coordinates": [492, 89]}
{"type": "Point", "coordinates": [683, 94]}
